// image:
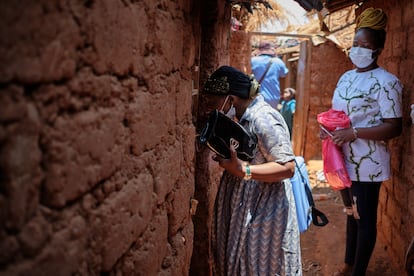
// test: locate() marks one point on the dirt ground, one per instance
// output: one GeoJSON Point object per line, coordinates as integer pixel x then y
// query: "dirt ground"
{"type": "Point", "coordinates": [323, 247]}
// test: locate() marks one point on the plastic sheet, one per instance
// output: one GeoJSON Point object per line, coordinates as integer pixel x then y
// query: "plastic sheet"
{"type": "Point", "coordinates": [333, 160]}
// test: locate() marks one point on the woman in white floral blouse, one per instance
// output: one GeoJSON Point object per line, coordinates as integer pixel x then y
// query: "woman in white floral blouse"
{"type": "Point", "coordinates": [371, 97]}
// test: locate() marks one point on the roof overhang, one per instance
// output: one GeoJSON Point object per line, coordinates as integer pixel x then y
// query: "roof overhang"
{"type": "Point", "coordinates": [329, 5]}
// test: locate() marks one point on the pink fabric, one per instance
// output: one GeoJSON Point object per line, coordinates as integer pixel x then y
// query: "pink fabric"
{"type": "Point", "coordinates": [333, 159]}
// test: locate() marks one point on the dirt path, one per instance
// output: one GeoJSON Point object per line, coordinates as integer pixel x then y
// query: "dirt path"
{"type": "Point", "coordinates": [323, 247]}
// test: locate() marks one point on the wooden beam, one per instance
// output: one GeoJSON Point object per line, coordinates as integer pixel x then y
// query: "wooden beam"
{"type": "Point", "coordinates": [308, 36]}
{"type": "Point", "coordinates": [300, 119]}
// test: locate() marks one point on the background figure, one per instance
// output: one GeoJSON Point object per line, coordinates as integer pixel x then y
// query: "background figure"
{"type": "Point", "coordinates": [270, 85]}
{"type": "Point", "coordinates": [371, 97]}
{"type": "Point", "coordinates": [288, 107]}
{"type": "Point", "coordinates": [255, 229]}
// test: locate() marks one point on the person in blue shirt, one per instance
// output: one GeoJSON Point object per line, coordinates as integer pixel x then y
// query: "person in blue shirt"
{"type": "Point", "coordinates": [270, 83]}
{"type": "Point", "coordinates": [288, 106]}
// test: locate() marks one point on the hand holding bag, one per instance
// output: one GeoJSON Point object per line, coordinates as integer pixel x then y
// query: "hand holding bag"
{"type": "Point", "coordinates": [334, 166]}
{"type": "Point", "coordinates": [220, 131]}
{"type": "Point", "coordinates": [333, 160]}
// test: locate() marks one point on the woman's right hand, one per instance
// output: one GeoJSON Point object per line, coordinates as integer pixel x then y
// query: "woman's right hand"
{"type": "Point", "coordinates": [233, 165]}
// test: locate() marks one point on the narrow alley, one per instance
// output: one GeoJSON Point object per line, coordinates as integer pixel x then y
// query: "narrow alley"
{"type": "Point", "coordinates": [323, 247]}
{"type": "Point", "coordinates": [101, 107]}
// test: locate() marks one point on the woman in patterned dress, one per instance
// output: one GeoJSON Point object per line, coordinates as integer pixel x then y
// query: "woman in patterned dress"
{"type": "Point", "coordinates": [371, 97]}
{"type": "Point", "coordinates": [255, 229]}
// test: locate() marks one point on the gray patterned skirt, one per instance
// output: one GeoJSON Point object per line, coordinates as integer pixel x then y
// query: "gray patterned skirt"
{"type": "Point", "coordinates": [255, 229]}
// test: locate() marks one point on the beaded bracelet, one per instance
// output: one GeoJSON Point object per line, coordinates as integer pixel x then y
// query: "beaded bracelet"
{"type": "Point", "coordinates": [248, 174]}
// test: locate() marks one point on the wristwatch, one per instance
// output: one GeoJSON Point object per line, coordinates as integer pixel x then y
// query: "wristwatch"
{"type": "Point", "coordinates": [355, 132]}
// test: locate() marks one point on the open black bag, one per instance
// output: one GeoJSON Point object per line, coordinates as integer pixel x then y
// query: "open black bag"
{"type": "Point", "coordinates": [220, 131]}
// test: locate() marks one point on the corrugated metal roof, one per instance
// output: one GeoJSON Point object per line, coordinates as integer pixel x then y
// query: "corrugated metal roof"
{"type": "Point", "coordinates": [330, 5]}
{"type": "Point", "coordinates": [309, 5]}
{"type": "Point", "coordinates": [335, 5]}
{"type": "Point", "coordinates": [337, 19]}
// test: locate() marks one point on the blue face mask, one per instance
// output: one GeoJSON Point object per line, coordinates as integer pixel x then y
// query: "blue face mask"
{"type": "Point", "coordinates": [361, 57]}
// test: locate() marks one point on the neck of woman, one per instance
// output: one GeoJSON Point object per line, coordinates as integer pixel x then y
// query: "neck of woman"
{"type": "Point", "coordinates": [369, 68]}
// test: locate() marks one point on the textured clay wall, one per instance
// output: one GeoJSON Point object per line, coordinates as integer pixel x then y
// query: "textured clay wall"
{"type": "Point", "coordinates": [240, 51]}
{"type": "Point", "coordinates": [326, 64]}
{"type": "Point", "coordinates": [215, 24]}
{"type": "Point", "coordinates": [96, 138]}
{"type": "Point", "coordinates": [396, 220]}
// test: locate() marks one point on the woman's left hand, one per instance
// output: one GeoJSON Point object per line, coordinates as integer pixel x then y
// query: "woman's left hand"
{"type": "Point", "coordinates": [267, 172]}
{"type": "Point", "coordinates": [341, 136]}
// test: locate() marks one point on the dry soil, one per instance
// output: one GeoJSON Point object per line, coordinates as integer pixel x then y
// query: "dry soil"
{"type": "Point", "coordinates": [323, 247]}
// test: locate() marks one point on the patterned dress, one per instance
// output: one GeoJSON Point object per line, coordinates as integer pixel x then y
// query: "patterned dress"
{"type": "Point", "coordinates": [255, 230]}
{"type": "Point", "coordinates": [367, 98]}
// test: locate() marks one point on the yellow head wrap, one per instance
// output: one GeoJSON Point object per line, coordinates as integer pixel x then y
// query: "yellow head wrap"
{"type": "Point", "coordinates": [372, 18]}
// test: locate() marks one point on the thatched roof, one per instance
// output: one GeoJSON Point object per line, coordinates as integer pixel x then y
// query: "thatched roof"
{"type": "Point", "coordinates": [258, 15]}
{"type": "Point", "coordinates": [336, 25]}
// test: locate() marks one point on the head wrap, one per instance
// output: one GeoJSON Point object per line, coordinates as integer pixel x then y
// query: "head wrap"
{"type": "Point", "coordinates": [227, 80]}
{"type": "Point", "coordinates": [372, 18]}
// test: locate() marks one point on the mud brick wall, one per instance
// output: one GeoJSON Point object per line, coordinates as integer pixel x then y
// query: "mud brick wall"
{"type": "Point", "coordinates": [240, 51]}
{"type": "Point", "coordinates": [327, 63]}
{"type": "Point", "coordinates": [214, 52]}
{"type": "Point", "coordinates": [396, 211]}
{"type": "Point", "coordinates": [96, 139]}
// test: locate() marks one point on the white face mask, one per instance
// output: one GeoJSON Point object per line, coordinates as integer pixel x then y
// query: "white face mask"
{"type": "Point", "coordinates": [231, 113]}
{"type": "Point", "coordinates": [361, 57]}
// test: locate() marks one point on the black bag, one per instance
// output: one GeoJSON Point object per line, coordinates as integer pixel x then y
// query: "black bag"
{"type": "Point", "coordinates": [220, 131]}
